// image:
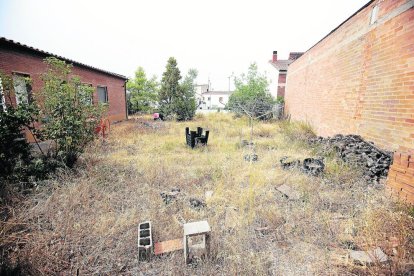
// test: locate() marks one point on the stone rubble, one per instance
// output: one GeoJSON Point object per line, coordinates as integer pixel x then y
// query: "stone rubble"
{"type": "Point", "coordinates": [311, 166]}
{"type": "Point", "coordinates": [356, 151]}
{"type": "Point", "coordinates": [196, 203]}
{"type": "Point", "coordinates": [168, 197]}
{"type": "Point", "coordinates": [251, 157]}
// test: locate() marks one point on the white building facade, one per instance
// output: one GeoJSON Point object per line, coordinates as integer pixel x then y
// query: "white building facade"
{"type": "Point", "coordinates": [211, 100]}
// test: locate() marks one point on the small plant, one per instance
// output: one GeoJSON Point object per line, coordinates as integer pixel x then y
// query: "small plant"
{"type": "Point", "coordinates": [69, 117]}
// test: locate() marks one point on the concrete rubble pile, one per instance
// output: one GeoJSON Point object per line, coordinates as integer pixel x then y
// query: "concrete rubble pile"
{"type": "Point", "coordinates": [354, 150]}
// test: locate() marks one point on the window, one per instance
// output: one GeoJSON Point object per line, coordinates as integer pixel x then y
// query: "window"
{"type": "Point", "coordinates": [209, 98]}
{"type": "Point", "coordinates": [22, 88]}
{"type": "Point", "coordinates": [221, 99]}
{"type": "Point", "coordinates": [102, 94]}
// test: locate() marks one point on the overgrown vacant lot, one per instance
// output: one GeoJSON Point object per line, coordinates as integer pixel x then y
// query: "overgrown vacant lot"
{"type": "Point", "coordinates": [88, 219]}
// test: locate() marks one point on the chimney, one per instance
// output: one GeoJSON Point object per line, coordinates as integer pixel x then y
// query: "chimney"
{"type": "Point", "coordinates": [274, 58]}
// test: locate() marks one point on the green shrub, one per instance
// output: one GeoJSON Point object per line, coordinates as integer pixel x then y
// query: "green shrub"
{"type": "Point", "coordinates": [69, 117]}
{"type": "Point", "coordinates": [14, 148]}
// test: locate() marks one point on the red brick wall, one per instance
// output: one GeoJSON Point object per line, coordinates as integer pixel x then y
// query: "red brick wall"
{"type": "Point", "coordinates": [281, 85]}
{"type": "Point", "coordinates": [16, 60]}
{"type": "Point", "coordinates": [400, 179]}
{"type": "Point", "coordinates": [360, 79]}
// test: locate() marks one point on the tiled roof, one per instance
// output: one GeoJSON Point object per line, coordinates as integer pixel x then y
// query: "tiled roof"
{"type": "Point", "coordinates": [281, 64]}
{"type": "Point", "coordinates": [32, 49]}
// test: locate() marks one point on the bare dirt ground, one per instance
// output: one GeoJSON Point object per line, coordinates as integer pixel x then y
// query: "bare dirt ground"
{"type": "Point", "coordinates": [86, 221]}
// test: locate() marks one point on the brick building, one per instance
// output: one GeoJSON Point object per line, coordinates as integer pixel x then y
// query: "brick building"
{"type": "Point", "coordinates": [282, 67]}
{"type": "Point", "coordinates": [360, 78]}
{"type": "Point", "coordinates": [21, 61]}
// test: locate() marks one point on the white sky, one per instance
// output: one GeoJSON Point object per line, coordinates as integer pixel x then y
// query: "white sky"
{"type": "Point", "coordinates": [217, 37]}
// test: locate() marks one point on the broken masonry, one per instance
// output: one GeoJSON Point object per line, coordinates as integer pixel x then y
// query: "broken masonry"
{"type": "Point", "coordinates": [311, 166]}
{"type": "Point", "coordinates": [354, 150]}
{"type": "Point", "coordinates": [251, 157]}
{"type": "Point", "coordinates": [192, 248]}
{"type": "Point", "coordinates": [169, 197]}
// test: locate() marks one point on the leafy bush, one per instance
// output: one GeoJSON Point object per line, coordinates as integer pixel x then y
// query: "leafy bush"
{"type": "Point", "coordinates": [280, 100]}
{"type": "Point", "coordinates": [69, 117]}
{"type": "Point", "coordinates": [252, 95]}
{"type": "Point", "coordinates": [14, 148]}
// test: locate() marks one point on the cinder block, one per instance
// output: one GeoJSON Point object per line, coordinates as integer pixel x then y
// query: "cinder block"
{"type": "Point", "coordinates": [145, 244]}
{"type": "Point", "coordinates": [193, 229]}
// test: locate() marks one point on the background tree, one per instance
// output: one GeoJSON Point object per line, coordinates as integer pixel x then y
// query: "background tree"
{"type": "Point", "coordinates": [170, 88]}
{"type": "Point", "coordinates": [143, 92]}
{"type": "Point", "coordinates": [185, 105]}
{"type": "Point", "coordinates": [69, 117]}
{"type": "Point", "coordinates": [252, 95]}
{"type": "Point", "coordinates": [177, 99]}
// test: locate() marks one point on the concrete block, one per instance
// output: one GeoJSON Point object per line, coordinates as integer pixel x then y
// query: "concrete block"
{"type": "Point", "coordinates": [199, 229]}
{"type": "Point", "coordinates": [289, 192]}
{"type": "Point", "coordinates": [368, 257]}
{"type": "Point", "coordinates": [145, 244]}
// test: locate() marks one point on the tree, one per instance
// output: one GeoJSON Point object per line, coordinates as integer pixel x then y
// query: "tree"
{"type": "Point", "coordinates": [252, 96]}
{"type": "Point", "coordinates": [69, 117]}
{"type": "Point", "coordinates": [143, 92]}
{"type": "Point", "coordinates": [177, 99]}
{"type": "Point", "coordinates": [170, 88]}
{"type": "Point", "coordinates": [185, 106]}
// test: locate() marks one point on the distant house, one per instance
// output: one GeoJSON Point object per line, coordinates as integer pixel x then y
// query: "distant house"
{"type": "Point", "coordinates": [21, 61]}
{"type": "Point", "coordinates": [207, 100]}
{"type": "Point", "coordinates": [282, 68]}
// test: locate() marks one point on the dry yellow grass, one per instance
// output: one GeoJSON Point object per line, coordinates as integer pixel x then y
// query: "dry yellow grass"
{"type": "Point", "coordinates": [86, 220]}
